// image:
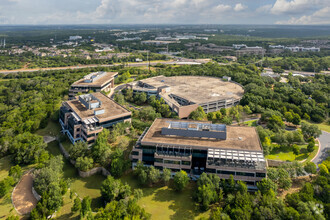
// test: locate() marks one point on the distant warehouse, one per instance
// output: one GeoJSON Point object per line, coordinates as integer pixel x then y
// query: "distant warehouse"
{"type": "Point", "coordinates": [200, 146]}
{"type": "Point", "coordinates": [83, 118]}
{"type": "Point", "coordinates": [185, 93]}
{"type": "Point", "coordinates": [93, 82]}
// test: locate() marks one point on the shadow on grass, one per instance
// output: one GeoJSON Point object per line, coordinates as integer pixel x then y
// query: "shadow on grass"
{"type": "Point", "coordinates": [302, 157]}
{"type": "Point", "coordinates": [181, 202]}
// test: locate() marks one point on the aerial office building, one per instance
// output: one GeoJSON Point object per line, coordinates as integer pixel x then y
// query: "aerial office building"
{"type": "Point", "coordinates": [95, 82]}
{"type": "Point", "coordinates": [198, 147]}
{"type": "Point", "coordinates": [86, 116]}
{"type": "Point", "coordinates": [185, 93]}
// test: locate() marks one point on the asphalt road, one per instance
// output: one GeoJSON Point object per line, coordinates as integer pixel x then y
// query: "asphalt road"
{"type": "Point", "coordinates": [152, 63]}
{"type": "Point", "coordinates": [325, 146]}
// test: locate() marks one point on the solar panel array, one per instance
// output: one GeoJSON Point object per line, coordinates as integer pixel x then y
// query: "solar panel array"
{"type": "Point", "coordinates": [197, 126]}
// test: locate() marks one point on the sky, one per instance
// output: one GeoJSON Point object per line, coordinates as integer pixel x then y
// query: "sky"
{"type": "Point", "coordinates": [34, 12]}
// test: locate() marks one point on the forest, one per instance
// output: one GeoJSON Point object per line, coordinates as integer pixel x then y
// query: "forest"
{"type": "Point", "coordinates": [30, 100]}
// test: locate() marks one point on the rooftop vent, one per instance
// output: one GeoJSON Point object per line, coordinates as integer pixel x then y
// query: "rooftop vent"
{"type": "Point", "coordinates": [93, 76]}
{"type": "Point", "coordinates": [90, 101]}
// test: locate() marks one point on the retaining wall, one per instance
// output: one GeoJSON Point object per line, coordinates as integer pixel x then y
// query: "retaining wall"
{"type": "Point", "coordinates": [276, 163]}
{"type": "Point", "coordinates": [83, 174]}
{"type": "Point", "coordinates": [35, 194]}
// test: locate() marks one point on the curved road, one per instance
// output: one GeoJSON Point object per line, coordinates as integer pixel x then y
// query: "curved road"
{"type": "Point", "coordinates": [325, 146]}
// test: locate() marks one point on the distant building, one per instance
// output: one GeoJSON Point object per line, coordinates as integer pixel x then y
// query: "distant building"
{"type": "Point", "coordinates": [238, 46]}
{"type": "Point", "coordinates": [129, 39]}
{"type": "Point", "coordinates": [200, 146]}
{"type": "Point", "coordinates": [158, 42]}
{"type": "Point", "coordinates": [251, 51]}
{"type": "Point", "coordinates": [184, 94]}
{"type": "Point", "coordinates": [276, 46]}
{"type": "Point", "coordinates": [303, 49]}
{"type": "Point", "coordinates": [75, 37]}
{"type": "Point", "coordinates": [95, 82]}
{"type": "Point", "coordinates": [83, 118]}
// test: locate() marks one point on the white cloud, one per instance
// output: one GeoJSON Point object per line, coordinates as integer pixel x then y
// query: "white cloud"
{"type": "Point", "coordinates": [321, 16]}
{"type": "Point", "coordinates": [295, 6]}
{"type": "Point", "coordinates": [239, 7]}
{"type": "Point", "coordinates": [221, 8]}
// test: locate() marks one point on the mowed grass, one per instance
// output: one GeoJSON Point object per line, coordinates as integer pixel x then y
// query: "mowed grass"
{"type": "Point", "coordinates": [165, 203]}
{"type": "Point", "coordinates": [251, 123]}
{"type": "Point", "coordinates": [52, 129]}
{"type": "Point", "coordinates": [89, 186]}
{"type": "Point", "coordinates": [322, 126]}
{"type": "Point", "coordinates": [286, 154]}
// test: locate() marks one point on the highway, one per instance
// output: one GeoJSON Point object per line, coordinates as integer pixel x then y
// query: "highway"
{"type": "Point", "coordinates": [152, 63]}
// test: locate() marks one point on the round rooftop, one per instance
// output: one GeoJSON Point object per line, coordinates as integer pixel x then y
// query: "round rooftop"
{"type": "Point", "coordinates": [198, 89]}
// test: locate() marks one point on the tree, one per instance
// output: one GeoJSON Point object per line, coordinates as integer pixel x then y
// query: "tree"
{"type": "Point", "coordinates": [198, 114]}
{"type": "Point", "coordinates": [310, 130]}
{"type": "Point", "coordinates": [27, 148]}
{"type": "Point", "coordinates": [310, 147]}
{"type": "Point", "coordinates": [15, 172]}
{"type": "Point", "coordinates": [181, 179]}
{"type": "Point", "coordinates": [284, 180]}
{"type": "Point", "coordinates": [112, 189]}
{"type": "Point", "coordinates": [85, 206]}
{"type": "Point", "coordinates": [84, 163]}
{"type": "Point", "coordinates": [275, 123]}
{"type": "Point", "coordinates": [296, 119]}
{"type": "Point", "coordinates": [288, 116]}
{"type": "Point", "coordinates": [266, 185]}
{"type": "Point", "coordinates": [166, 175]}
{"type": "Point", "coordinates": [101, 150]}
{"type": "Point", "coordinates": [323, 170]}
{"type": "Point", "coordinates": [153, 175]}
{"type": "Point", "coordinates": [76, 205]}
{"type": "Point", "coordinates": [79, 149]}
{"type": "Point", "coordinates": [296, 150]}
{"type": "Point", "coordinates": [310, 167]}
{"type": "Point", "coordinates": [118, 164]}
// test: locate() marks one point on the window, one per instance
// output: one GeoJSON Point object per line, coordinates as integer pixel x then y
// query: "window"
{"type": "Point", "coordinates": [135, 153]}
{"type": "Point", "coordinates": [226, 172]}
{"type": "Point", "coordinates": [260, 174]}
{"type": "Point", "coordinates": [244, 174]}
{"type": "Point", "coordinates": [158, 160]}
{"type": "Point", "coordinates": [185, 162]}
{"type": "Point", "coordinates": [172, 162]}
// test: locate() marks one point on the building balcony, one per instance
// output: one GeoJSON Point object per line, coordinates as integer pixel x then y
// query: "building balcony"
{"type": "Point", "coordinates": [172, 166]}
{"type": "Point", "coordinates": [92, 130]}
{"type": "Point", "coordinates": [175, 156]}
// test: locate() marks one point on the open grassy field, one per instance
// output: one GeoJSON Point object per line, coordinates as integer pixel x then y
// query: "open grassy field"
{"type": "Point", "coordinates": [52, 129]}
{"type": "Point", "coordinates": [251, 123]}
{"type": "Point", "coordinates": [286, 154]}
{"type": "Point", "coordinates": [322, 126]}
{"type": "Point", "coordinates": [165, 203]}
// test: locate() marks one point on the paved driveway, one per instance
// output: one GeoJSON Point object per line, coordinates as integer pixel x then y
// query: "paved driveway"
{"type": "Point", "coordinates": [325, 146]}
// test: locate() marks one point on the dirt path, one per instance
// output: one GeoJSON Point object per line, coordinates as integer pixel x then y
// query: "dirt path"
{"type": "Point", "coordinates": [22, 197]}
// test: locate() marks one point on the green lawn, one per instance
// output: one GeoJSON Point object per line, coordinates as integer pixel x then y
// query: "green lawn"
{"type": "Point", "coordinates": [165, 203]}
{"type": "Point", "coordinates": [322, 126]}
{"type": "Point", "coordinates": [286, 154]}
{"type": "Point", "coordinates": [251, 123]}
{"type": "Point", "coordinates": [52, 129]}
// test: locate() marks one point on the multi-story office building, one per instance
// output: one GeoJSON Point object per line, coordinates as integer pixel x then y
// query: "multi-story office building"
{"type": "Point", "coordinates": [185, 93]}
{"type": "Point", "coordinates": [86, 116]}
{"type": "Point", "coordinates": [95, 82]}
{"type": "Point", "coordinates": [197, 147]}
